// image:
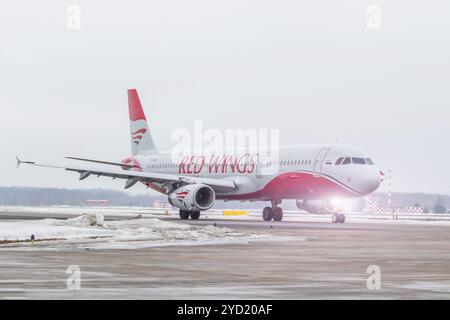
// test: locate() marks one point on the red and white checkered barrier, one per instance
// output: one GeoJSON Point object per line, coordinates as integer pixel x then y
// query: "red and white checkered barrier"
{"type": "Point", "coordinates": [374, 206]}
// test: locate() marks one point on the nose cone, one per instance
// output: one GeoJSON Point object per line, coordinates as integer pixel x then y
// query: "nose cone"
{"type": "Point", "coordinates": [369, 182]}
{"type": "Point", "coordinates": [371, 185]}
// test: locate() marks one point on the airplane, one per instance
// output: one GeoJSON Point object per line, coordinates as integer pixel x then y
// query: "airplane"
{"type": "Point", "coordinates": [313, 175]}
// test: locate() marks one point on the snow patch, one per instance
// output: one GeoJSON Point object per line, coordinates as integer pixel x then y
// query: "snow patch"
{"type": "Point", "coordinates": [86, 220]}
{"type": "Point", "coordinates": [90, 231]}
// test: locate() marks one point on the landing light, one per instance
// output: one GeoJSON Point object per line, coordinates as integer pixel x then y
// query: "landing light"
{"type": "Point", "coordinates": [336, 202]}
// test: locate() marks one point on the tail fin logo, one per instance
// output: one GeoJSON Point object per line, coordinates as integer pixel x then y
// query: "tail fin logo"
{"type": "Point", "coordinates": [138, 135]}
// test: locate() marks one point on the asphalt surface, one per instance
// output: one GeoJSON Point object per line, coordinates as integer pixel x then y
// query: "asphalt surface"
{"type": "Point", "coordinates": [319, 260]}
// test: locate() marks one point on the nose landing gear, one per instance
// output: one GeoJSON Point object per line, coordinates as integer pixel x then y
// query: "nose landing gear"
{"type": "Point", "coordinates": [338, 218]}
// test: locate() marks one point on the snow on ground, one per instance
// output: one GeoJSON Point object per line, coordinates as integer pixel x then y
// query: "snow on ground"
{"type": "Point", "coordinates": [148, 212]}
{"type": "Point", "coordinates": [91, 231]}
{"type": "Point", "coordinates": [74, 211]}
{"type": "Point", "coordinates": [87, 228]}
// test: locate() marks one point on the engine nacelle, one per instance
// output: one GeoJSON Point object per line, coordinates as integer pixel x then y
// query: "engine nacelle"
{"type": "Point", "coordinates": [316, 206]}
{"type": "Point", "coordinates": [193, 197]}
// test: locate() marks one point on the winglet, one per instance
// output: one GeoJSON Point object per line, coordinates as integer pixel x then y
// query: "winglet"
{"type": "Point", "coordinates": [19, 162]}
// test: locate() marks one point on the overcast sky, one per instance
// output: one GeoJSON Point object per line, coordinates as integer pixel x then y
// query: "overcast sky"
{"type": "Point", "coordinates": [312, 69]}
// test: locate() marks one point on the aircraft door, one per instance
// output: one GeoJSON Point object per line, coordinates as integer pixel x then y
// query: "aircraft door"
{"type": "Point", "coordinates": [320, 158]}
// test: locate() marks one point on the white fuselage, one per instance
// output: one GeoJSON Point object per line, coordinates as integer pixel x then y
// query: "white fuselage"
{"type": "Point", "coordinates": [298, 172]}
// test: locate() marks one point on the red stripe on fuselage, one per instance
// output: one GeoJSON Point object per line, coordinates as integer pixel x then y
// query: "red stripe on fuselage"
{"type": "Point", "coordinates": [296, 185]}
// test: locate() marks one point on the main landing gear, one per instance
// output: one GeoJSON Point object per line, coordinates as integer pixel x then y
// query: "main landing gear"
{"type": "Point", "coordinates": [184, 214]}
{"type": "Point", "coordinates": [274, 212]}
{"type": "Point", "coordinates": [338, 217]}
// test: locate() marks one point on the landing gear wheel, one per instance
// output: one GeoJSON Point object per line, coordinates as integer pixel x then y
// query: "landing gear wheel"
{"type": "Point", "coordinates": [335, 218]}
{"type": "Point", "coordinates": [277, 214]}
{"type": "Point", "coordinates": [267, 213]}
{"type": "Point", "coordinates": [195, 215]}
{"type": "Point", "coordinates": [184, 215]}
{"type": "Point", "coordinates": [341, 218]}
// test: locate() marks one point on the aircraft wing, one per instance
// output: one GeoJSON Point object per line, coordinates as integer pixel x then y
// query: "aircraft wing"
{"type": "Point", "coordinates": [132, 177]}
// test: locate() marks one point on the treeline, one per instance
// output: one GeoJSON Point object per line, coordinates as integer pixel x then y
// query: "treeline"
{"type": "Point", "coordinates": [31, 196]}
{"type": "Point", "coordinates": [430, 202]}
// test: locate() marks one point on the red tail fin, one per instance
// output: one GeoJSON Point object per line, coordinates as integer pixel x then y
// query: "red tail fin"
{"type": "Point", "coordinates": [141, 139]}
{"type": "Point", "coordinates": [134, 106]}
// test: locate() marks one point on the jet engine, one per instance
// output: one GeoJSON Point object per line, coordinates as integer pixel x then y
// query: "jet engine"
{"type": "Point", "coordinates": [193, 197]}
{"type": "Point", "coordinates": [316, 206]}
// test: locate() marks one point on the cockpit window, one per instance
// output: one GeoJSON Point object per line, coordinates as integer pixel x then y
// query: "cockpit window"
{"type": "Point", "coordinates": [346, 161]}
{"type": "Point", "coordinates": [369, 161]}
{"type": "Point", "coordinates": [358, 160]}
{"type": "Point", "coordinates": [338, 161]}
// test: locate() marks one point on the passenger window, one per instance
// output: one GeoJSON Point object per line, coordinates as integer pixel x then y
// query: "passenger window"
{"type": "Point", "coordinates": [338, 161]}
{"type": "Point", "coordinates": [346, 161]}
{"type": "Point", "coordinates": [358, 160]}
